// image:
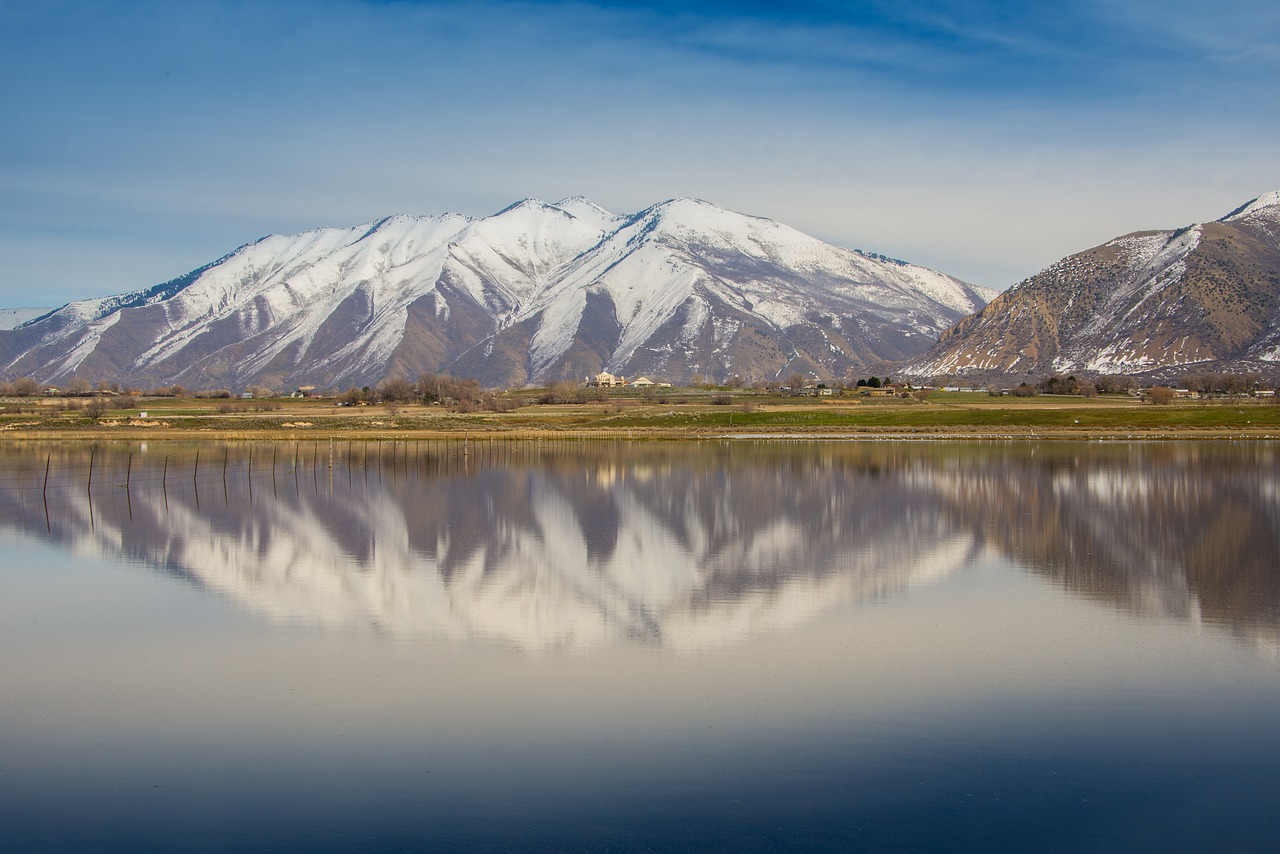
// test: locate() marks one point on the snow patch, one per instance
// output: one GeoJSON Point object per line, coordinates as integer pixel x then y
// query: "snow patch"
{"type": "Point", "coordinates": [11, 318]}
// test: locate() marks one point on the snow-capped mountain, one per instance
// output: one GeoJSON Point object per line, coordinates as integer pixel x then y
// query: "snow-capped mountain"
{"type": "Point", "coordinates": [1205, 295]}
{"type": "Point", "coordinates": [534, 293]}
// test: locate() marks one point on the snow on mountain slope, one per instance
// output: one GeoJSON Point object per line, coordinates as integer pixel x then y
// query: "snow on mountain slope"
{"type": "Point", "coordinates": [11, 317]}
{"type": "Point", "coordinates": [533, 293]}
{"type": "Point", "coordinates": [686, 251]}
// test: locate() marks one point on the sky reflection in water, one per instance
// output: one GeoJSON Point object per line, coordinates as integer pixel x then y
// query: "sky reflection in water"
{"type": "Point", "coordinates": [719, 645]}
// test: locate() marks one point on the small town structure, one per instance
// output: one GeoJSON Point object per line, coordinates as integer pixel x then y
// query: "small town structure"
{"type": "Point", "coordinates": [604, 379]}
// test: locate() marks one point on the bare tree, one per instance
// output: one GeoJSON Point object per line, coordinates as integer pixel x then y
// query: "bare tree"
{"type": "Point", "coordinates": [96, 408]}
{"type": "Point", "coordinates": [396, 390]}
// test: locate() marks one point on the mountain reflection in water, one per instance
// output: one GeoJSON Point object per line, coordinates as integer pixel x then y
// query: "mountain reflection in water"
{"type": "Point", "coordinates": [579, 544]}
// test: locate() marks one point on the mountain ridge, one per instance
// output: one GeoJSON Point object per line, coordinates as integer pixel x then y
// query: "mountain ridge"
{"type": "Point", "coordinates": [531, 294]}
{"type": "Point", "coordinates": [1205, 295]}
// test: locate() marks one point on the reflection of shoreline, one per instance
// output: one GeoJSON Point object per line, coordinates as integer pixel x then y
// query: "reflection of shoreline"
{"type": "Point", "coordinates": [577, 545]}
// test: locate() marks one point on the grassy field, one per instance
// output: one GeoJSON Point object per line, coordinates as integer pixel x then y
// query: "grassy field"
{"type": "Point", "coordinates": [677, 416]}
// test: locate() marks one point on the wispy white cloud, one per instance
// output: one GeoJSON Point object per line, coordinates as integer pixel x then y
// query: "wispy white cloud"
{"type": "Point", "coordinates": [984, 138]}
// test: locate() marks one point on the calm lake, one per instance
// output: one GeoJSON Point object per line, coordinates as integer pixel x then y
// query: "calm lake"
{"type": "Point", "coordinates": [600, 646]}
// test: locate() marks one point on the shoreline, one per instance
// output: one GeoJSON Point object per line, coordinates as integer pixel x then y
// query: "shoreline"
{"type": "Point", "coordinates": [944, 417]}
{"type": "Point", "coordinates": [602, 434]}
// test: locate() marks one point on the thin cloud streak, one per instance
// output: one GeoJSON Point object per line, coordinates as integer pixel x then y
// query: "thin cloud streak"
{"type": "Point", "coordinates": [982, 141]}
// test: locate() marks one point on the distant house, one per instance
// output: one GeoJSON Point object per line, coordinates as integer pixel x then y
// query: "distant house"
{"type": "Point", "coordinates": [604, 379]}
{"type": "Point", "coordinates": [304, 391]}
{"type": "Point", "coordinates": [645, 382]}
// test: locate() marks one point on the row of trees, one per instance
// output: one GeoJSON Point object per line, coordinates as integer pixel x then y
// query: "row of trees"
{"type": "Point", "coordinates": [80, 387]}
{"type": "Point", "coordinates": [1081, 386]}
{"type": "Point", "coordinates": [467, 393]}
{"type": "Point", "coordinates": [459, 395]}
{"type": "Point", "coordinates": [1203, 382]}
{"type": "Point", "coordinates": [1210, 382]}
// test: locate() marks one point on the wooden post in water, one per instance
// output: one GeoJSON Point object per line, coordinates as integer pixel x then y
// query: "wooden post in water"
{"type": "Point", "coordinates": [44, 496]}
{"type": "Point", "coordinates": [195, 485]}
{"type": "Point", "coordinates": [89, 486]}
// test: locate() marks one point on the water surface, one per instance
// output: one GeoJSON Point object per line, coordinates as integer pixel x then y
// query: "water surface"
{"type": "Point", "coordinates": [612, 646]}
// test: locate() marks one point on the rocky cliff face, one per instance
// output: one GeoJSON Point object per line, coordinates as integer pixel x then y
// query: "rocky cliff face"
{"type": "Point", "coordinates": [1205, 295]}
{"type": "Point", "coordinates": [532, 294]}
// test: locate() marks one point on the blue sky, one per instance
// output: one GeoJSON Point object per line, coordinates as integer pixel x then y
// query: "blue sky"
{"type": "Point", "coordinates": [143, 139]}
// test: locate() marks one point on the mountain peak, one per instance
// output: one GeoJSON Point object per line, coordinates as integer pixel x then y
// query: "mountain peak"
{"type": "Point", "coordinates": [572, 203]}
{"type": "Point", "coordinates": [586, 210]}
{"type": "Point", "coordinates": [687, 204]}
{"type": "Point", "coordinates": [698, 215]}
{"type": "Point", "coordinates": [1263, 202]}
{"type": "Point", "coordinates": [523, 204]}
